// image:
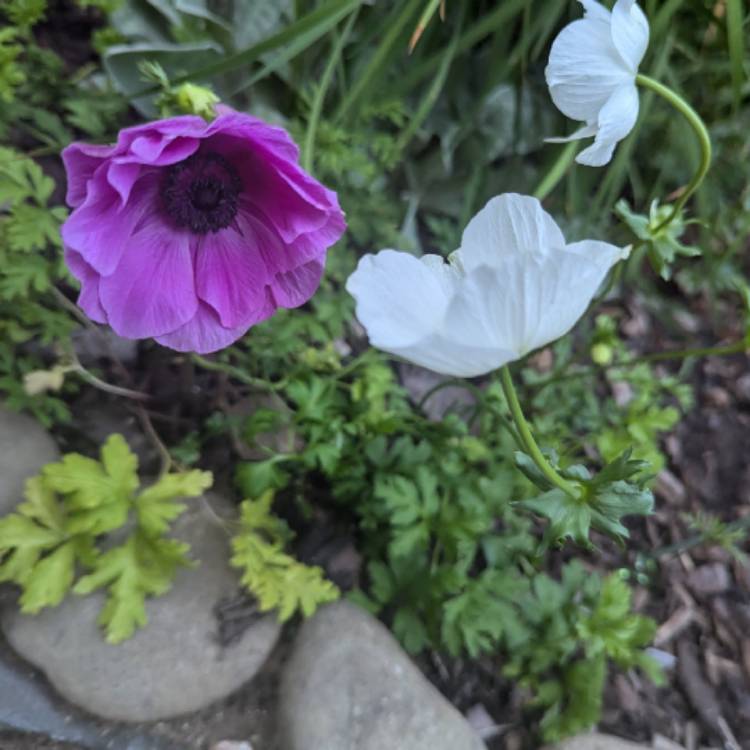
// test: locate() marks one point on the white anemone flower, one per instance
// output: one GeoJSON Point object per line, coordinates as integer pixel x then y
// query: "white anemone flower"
{"type": "Point", "coordinates": [592, 75]}
{"type": "Point", "coordinates": [513, 286]}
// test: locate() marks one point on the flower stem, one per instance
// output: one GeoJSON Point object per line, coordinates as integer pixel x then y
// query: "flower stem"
{"type": "Point", "coordinates": [235, 372]}
{"type": "Point", "coordinates": [736, 347]}
{"type": "Point", "coordinates": [527, 439]}
{"type": "Point", "coordinates": [701, 132]}
{"type": "Point", "coordinates": [557, 171]}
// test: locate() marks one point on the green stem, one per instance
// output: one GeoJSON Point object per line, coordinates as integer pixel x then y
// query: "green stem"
{"type": "Point", "coordinates": [320, 95]}
{"type": "Point", "coordinates": [115, 390]}
{"type": "Point", "coordinates": [527, 439]}
{"type": "Point", "coordinates": [235, 372]}
{"type": "Point", "coordinates": [698, 539]}
{"type": "Point", "coordinates": [736, 347]}
{"type": "Point", "coordinates": [701, 132]}
{"type": "Point", "coordinates": [557, 171]}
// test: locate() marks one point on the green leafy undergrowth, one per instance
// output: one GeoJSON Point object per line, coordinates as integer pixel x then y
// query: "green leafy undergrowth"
{"type": "Point", "coordinates": [661, 241]}
{"type": "Point", "coordinates": [57, 541]}
{"type": "Point", "coordinates": [30, 265]}
{"type": "Point", "coordinates": [571, 410]}
{"type": "Point", "coordinates": [275, 578]}
{"type": "Point", "coordinates": [566, 634]}
{"type": "Point", "coordinates": [605, 499]}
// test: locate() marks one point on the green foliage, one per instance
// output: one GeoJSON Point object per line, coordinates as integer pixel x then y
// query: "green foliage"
{"type": "Point", "coordinates": [662, 243]}
{"type": "Point", "coordinates": [414, 145]}
{"type": "Point", "coordinates": [571, 411]}
{"type": "Point", "coordinates": [59, 531]}
{"type": "Point", "coordinates": [570, 630]}
{"type": "Point", "coordinates": [618, 490]}
{"type": "Point", "coordinates": [713, 530]}
{"type": "Point", "coordinates": [25, 13]}
{"type": "Point", "coordinates": [11, 73]}
{"type": "Point", "coordinates": [645, 417]}
{"type": "Point", "coordinates": [276, 579]}
{"type": "Point", "coordinates": [30, 264]}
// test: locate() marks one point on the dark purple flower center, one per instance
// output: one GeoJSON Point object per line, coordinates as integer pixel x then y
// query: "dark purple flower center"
{"type": "Point", "coordinates": [201, 193]}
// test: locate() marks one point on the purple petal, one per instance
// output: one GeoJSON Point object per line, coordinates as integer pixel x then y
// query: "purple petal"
{"type": "Point", "coordinates": [157, 149]}
{"type": "Point", "coordinates": [81, 161]}
{"type": "Point", "coordinates": [292, 202]}
{"type": "Point", "coordinates": [152, 290]}
{"type": "Point", "coordinates": [88, 299]}
{"type": "Point", "coordinates": [122, 177]}
{"type": "Point", "coordinates": [294, 288]}
{"type": "Point", "coordinates": [101, 229]}
{"type": "Point", "coordinates": [232, 274]}
{"type": "Point", "coordinates": [296, 203]}
{"type": "Point", "coordinates": [248, 128]}
{"type": "Point", "coordinates": [203, 333]}
{"type": "Point", "coordinates": [185, 126]}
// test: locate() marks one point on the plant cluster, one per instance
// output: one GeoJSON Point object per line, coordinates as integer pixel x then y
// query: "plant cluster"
{"type": "Point", "coordinates": [459, 521]}
{"type": "Point", "coordinates": [60, 538]}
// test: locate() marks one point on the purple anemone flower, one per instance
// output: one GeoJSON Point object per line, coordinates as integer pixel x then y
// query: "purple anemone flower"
{"type": "Point", "coordinates": [191, 232]}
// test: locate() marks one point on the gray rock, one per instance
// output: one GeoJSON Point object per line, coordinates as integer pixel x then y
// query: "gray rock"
{"type": "Point", "coordinates": [172, 666]}
{"type": "Point", "coordinates": [419, 381]}
{"type": "Point", "coordinates": [26, 706]}
{"type": "Point", "coordinates": [348, 685]}
{"type": "Point", "coordinates": [25, 446]}
{"type": "Point", "coordinates": [712, 578]}
{"type": "Point", "coordinates": [94, 344]}
{"type": "Point", "coordinates": [596, 742]}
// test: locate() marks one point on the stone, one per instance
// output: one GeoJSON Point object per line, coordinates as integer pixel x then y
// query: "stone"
{"type": "Point", "coordinates": [348, 685]}
{"type": "Point", "coordinates": [172, 666]}
{"type": "Point", "coordinates": [98, 343]}
{"type": "Point", "coordinates": [709, 579]}
{"type": "Point", "coordinates": [36, 719]}
{"type": "Point", "coordinates": [25, 447]}
{"type": "Point", "coordinates": [419, 381]}
{"type": "Point", "coordinates": [596, 741]}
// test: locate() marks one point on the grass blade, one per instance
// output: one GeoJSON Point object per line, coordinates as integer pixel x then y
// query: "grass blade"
{"type": "Point", "coordinates": [736, 42]}
{"type": "Point", "coordinates": [378, 62]}
{"type": "Point", "coordinates": [300, 35]}
{"type": "Point", "coordinates": [322, 90]}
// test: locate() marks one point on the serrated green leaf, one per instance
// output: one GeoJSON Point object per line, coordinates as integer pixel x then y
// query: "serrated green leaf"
{"type": "Point", "coordinates": [143, 566]}
{"type": "Point", "coordinates": [32, 228]}
{"type": "Point", "coordinates": [91, 484]}
{"type": "Point", "coordinates": [51, 580]}
{"type": "Point", "coordinates": [256, 477]}
{"type": "Point", "coordinates": [276, 579]}
{"type": "Point", "coordinates": [578, 705]}
{"type": "Point", "coordinates": [568, 516]}
{"type": "Point", "coordinates": [41, 504]}
{"type": "Point", "coordinates": [157, 506]}
{"type": "Point", "coordinates": [19, 532]}
{"type": "Point", "coordinates": [410, 630]}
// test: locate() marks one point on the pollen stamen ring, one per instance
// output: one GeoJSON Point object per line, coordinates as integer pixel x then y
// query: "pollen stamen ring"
{"type": "Point", "coordinates": [202, 192]}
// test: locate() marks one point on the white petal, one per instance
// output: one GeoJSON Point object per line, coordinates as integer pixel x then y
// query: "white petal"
{"type": "Point", "coordinates": [507, 225]}
{"type": "Point", "coordinates": [630, 32]}
{"type": "Point", "coordinates": [529, 300]}
{"type": "Point", "coordinates": [601, 253]}
{"type": "Point", "coordinates": [400, 300]}
{"type": "Point", "coordinates": [561, 295]}
{"type": "Point", "coordinates": [616, 119]}
{"type": "Point", "coordinates": [584, 69]}
{"type": "Point", "coordinates": [585, 132]}
{"type": "Point", "coordinates": [595, 10]}
{"type": "Point", "coordinates": [447, 354]}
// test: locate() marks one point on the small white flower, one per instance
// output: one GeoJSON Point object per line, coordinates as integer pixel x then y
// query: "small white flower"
{"type": "Point", "coordinates": [591, 75]}
{"type": "Point", "coordinates": [514, 285]}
